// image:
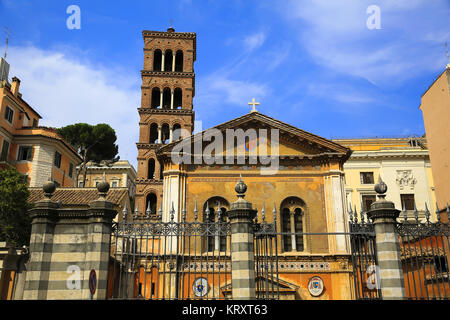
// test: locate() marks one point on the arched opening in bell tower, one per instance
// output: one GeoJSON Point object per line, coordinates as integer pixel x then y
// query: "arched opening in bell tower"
{"type": "Point", "coordinates": [157, 60]}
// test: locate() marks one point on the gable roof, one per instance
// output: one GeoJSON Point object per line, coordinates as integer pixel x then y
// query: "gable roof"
{"type": "Point", "coordinates": [328, 146]}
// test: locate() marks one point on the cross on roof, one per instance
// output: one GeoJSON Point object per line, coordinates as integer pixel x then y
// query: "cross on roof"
{"type": "Point", "coordinates": [253, 103]}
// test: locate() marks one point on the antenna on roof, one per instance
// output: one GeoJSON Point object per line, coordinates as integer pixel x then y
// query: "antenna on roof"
{"type": "Point", "coordinates": [7, 31]}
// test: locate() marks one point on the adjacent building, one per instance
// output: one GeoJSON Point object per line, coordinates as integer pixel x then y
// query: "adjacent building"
{"type": "Point", "coordinates": [403, 164]}
{"type": "Point", "coordinates": [120, 174]}
{"type": "Point", "coordinates": [37, 152]}
{"type": "Point", "coordinates": [435, 106]}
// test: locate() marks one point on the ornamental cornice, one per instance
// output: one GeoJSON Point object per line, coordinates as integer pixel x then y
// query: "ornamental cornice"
{"type": "Point", "coordinates": [168, 74]}
{"type": "Point", "coordinates": [166, 111]}
{"type": "Point", "coordinates": [390, 154]}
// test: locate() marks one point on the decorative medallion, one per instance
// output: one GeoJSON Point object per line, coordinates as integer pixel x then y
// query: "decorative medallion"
{"type": "Point", "coordinates": [405, 179]}
{"type": "Point", "coordinates": [315, 286]}
{"type": "Point", "coordinates": [200, 287]}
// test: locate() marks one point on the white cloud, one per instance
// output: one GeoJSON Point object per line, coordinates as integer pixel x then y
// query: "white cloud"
{"type": "Point", "coordinates": [336, 36]}
{"type": "Point", "coordinates": [64, 91]}
{"type": "Point", "coordinates": [254, 41]}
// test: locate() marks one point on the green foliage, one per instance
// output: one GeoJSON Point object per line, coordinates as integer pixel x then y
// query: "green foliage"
{"type": "Point", "coordinates": [15, 223]}
{"type": "Point", "coordinates": [94, 143]}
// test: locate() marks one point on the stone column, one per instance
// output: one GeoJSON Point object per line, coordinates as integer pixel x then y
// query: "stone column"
{"type": "Point", "coordinates": [162, 61]}
{"type": "Point", "coordinates": [170, 134]}
{"type": "Point", "coordinates": [44, 217]}
{"type": "Point", "coordinates": [161, 95]}
{"type": "Point", "coordinates": [159, 134]}
{"type": "Point", "coordinates": [384, 215]}
{"type": "Point", "coordinates": [241, 217]}
{"type": "Point", "coordinates": [293, 240]}
{"type": "Point", "coordinates": [173, 62]}
{"type": "Point", "coordinates": [171, 98]}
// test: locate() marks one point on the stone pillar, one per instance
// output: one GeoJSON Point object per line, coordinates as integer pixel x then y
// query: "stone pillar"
{"type": "Point", "coordinates": [161, 95]}
{"type": "Point", "coordinates": [162, 61]}
{"type": "Point", "coordinates": [292, 220]}
{"type": "Point", "coordinates": [173, 62]}
{"type": "Point", "coordinates": [44, 217]}
{"type": "Point", "coordinates": [170, 134]}
{"type": "Point", "coordinates": [65, 245]}
{"type": "Point", "coordinates": [241, 217]}
{"type": "Point", "coordinates": [384, 215]}
{"type": "Point", "coordinates": [159, 134]}
{"type": "Point", "coordinates": [171, 98]}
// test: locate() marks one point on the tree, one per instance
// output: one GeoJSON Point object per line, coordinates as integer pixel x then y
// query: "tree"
{"type": "Point", "coordinates": [94, 143]}
{"type": "Point", "coordinates": [15, 223]}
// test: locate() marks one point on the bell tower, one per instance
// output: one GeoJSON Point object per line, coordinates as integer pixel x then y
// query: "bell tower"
{"type": "Point", "coordinates": [167, 92]}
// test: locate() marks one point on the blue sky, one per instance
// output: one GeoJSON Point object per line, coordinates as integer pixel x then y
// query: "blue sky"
{"type": "Point", "coordinates": [312, 64]}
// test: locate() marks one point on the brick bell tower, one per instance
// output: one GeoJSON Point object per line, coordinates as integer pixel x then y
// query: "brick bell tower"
{"type": "Point", "coordinates": [168, 89]}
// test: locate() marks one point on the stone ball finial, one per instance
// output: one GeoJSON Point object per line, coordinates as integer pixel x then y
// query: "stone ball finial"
{"type": "Point", "coordinates": [103, 188]}
{"type": "Point", "coordinates": [240, 187]}
{"type": "Point", "coordinates": [49, 188]}
{"type": "Point", "coordinates": [380, 187]}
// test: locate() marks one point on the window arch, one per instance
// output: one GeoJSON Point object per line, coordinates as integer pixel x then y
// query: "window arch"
{"type": "Point", "coordinates": [165, 133]}
{"type": "Point", "coordinates": [151, 200]}
{"type": "Point", "coordinates": [211, 207]}
{"type": "Point", "coordinates": [151, 169]}
{"type": "Point", "coordinates": [178, 98]}
{"type": "Point", "coordinates": [292, 211]}
{"type": "Point", "coordinates": [176, 135]}
{"type": "Point", "coordinates": [157, 60]}
{"type": "Point", "coordinates": [179, 61]}
{"type": "Point", "coordinates": [167, 98]}
{"type": "Point", "coordinates": [153, 133]}
{"type": "Point", "coordinates": [156, 98]}
{"type": "Point", "coordinates": [168, 60]}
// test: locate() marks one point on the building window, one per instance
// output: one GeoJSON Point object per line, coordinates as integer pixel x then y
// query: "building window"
{"type": "Point", "coordinates": [407, 201]}
{"type": "Point", "coordinates": [367, 200]}
{"type": "Point", "coordinates": [57, 161]}
{"type": "Point", "coordinates": [9, 114]}
{"type": "Point", "coordinates": [80, 184]}
{"type": "Point", "coordinates": [34, 123]}
{"type": "Point", "coordinates": [367, 178]}
{"type": "Point", "coordinates": [25, 153]}
{"type": "Point", "coordinates": [5, 149]}
{"type": "Point", "coordinates": [70, 170]}
{"type": "Point", "coordinates": [114, 184]}
{"type": "Point", "coordinates": [440, 264]}
{"type": "Point", "coordinates": [292, 214]}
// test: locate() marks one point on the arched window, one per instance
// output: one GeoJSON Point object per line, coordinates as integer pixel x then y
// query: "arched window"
{"type": "Point", "coordinates": [167, 97]}
{"type": "Point", "coordinates": [153, 133]}
{"type": "Point", "coordinates": [168, 60]}
{"type": "Point", "coordinates": [176, 132]}
{"type": "Point", "coordinates": [152, 200]}
{"type": "Point", "coordinates": [151, 169]}
{"type": "Point", "coordinates": [156, 98]}
{"type": "Point", "coordinates": [165, 133]}
{"type": "Point", "coordinates": [179, 61]}
{"type": "Point", "coordinates": [292, 215]}
{"type": "Point", "coordinates": [157, 60]}
{"type": "Point", "coordinates": [217, 242]}
{"type": "Point", "coordinates": [178, 99]}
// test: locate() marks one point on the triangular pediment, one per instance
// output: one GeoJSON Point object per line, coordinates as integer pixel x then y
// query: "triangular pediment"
{"type": "Point", "coordinates": [292, 141]}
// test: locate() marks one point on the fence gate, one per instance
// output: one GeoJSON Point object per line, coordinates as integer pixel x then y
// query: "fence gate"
{"type": "Point", "coordinates": [151, 259]}
{"type": "Point", "coordinates": [366, 278]}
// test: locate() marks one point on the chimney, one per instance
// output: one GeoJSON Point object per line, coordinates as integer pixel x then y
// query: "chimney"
{"type": "Point", "coordinates": [15, 86]}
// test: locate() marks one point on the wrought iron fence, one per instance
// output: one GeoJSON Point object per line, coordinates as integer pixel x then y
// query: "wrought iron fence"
{"type": "Point", "coordinates": [366, 279]}
{"type": "Point", "coordinates": [170, 260]}
{"type": "Point", "coordinates": [424, 249]}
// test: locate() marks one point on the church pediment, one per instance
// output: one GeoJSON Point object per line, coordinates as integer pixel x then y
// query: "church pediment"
{"type": "Point", "coordinates": [262, 131]}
